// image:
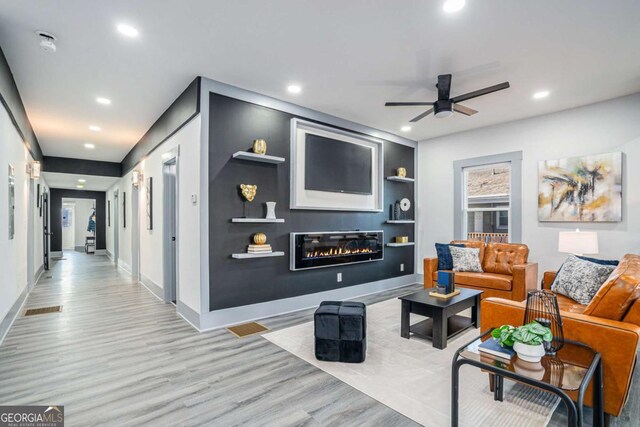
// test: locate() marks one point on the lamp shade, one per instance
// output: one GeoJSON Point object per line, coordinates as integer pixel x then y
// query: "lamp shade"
{"type": "Point", "coordinates": [578, 242]}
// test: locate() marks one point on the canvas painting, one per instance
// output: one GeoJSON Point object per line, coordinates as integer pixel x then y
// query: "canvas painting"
{"type": "Point", "coordinates": [581, 189]}
{"type": "Point", "coordinates": [149, 203]}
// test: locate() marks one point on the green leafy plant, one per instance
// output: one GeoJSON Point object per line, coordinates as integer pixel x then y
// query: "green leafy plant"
{"type": "Point", "coordinates": [530, 334]}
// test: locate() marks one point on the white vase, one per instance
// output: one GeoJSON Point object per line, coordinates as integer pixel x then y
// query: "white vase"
{"type": "Point", "coordinates": [271, 210]}
{"type": "Point", "coordinates": [529, 353]}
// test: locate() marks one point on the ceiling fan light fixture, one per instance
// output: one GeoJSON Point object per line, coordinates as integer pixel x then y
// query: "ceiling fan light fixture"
{"type": "Point", "coordinates": [443, 109]}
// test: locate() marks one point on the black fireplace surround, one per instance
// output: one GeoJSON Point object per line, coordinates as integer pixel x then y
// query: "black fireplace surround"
{"type": "Point", "coordinates": [326, 249]}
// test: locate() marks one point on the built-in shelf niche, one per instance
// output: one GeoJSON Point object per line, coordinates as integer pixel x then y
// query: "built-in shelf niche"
{"type": "Point", "coordinates": [245, 255]}
{"type": "Point", "coordinates": [258, 220]}
{"type": "Point", "coordinates": [253, 157]}
{"type": "Point", "coordinates": [400, 179]}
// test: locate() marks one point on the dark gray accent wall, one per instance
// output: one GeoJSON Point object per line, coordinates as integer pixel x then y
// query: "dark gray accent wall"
{"type": "Point", "coordinates": [183, 109]}
{"type": "Point", "coordinates": [10, 98]}
{"type": "Point", "coordinates": [81, 166]}
{"type": "Point", "coordinates": [55, 207]}
{"type": "Point", "coordinates": [233, 125]}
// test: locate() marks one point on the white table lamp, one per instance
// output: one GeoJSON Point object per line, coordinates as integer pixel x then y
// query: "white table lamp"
{"type": "Point", "coordinates": [578, 242]}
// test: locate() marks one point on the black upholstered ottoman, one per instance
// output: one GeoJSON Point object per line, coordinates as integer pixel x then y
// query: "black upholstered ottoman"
{"type": "Point", "coordinates": [341, 331]}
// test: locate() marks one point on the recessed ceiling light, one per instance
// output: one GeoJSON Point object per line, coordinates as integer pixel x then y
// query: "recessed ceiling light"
{"type": "Point", "coordinates": [541, 94]}
{"type": "Point", "coordinates": [95, 128]}
{"type": "Point", "coordinates": [451, 6]}
{"type": "Point", "coordinates": [104, 101]}
{"type": "Point", "coordinates": [82, 181]}
{"type": "Point", "coordinates": [405, 128]}
{"type": "Point", "coordinates": [127, 30]}
{"type": "Point", "coordinates": [89, 145]}
{"type": "Point", "coordinates": [79, 186]}
{"type": "Point", "coordinates": [294, 89]}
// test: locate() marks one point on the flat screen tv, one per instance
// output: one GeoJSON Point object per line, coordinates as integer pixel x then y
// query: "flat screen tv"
{"type": "Point", "coordinates": [337, 166]}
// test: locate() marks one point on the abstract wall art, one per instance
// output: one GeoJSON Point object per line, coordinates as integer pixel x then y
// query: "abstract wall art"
{"type": "Point", "coordinates": [149, 206]}
{"type": "Point", "coordinates": [581, 189]}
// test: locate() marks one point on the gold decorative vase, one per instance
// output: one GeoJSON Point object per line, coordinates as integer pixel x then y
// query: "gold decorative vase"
{"type": "Point", "coordinates": [259, 238]}
{"type": "Point", "coordinates": [401, 172]}
{"type": "Point", "coordinates": [260, 146]}
{"type": "Point", "coordinates": [402, 239]}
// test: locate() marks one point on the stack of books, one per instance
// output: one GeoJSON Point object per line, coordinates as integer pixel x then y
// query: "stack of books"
{"type": "Point", "coordinates": [259, 249]}
{"type": "Point", "coordinates": [492, 347]}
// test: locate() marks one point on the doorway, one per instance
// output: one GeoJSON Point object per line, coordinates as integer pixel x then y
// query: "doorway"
{"type": "Point", "coordinates": [68, 226]}
{"type": "Point", "coordinates": [170, 232]}
{"type": "Point", "coordinates": [116, 228]}
{"type": "Point", "coordinates": [46, 235]}
{"type": "Point", "coordinates": [135, 234]}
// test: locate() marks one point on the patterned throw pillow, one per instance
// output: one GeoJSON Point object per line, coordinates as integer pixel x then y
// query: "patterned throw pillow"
{"type": "Point", "coordinates": [580, 279]}
{"type": "Point", "coordinates": [466, 259]}
{"type": "Point", "coordinates": [445, 262]}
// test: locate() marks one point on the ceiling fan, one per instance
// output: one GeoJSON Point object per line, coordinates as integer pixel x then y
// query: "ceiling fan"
{"type": "Point", "coordinates": [445, 106]}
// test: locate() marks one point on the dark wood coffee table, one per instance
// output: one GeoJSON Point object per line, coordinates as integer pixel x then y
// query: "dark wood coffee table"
{"type": "Point", "coordinates": [444, 321]}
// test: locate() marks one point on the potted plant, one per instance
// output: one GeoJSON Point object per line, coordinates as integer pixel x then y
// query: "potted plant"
{"type": "Point", "coordinates": [527, 340]}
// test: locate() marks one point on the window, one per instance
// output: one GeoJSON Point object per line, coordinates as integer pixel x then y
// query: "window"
{"type": "Point", "coordinates": [487, 202]}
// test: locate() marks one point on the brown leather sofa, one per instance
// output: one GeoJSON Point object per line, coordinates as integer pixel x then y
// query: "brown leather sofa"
{"type": "Point", "coordinates": [507, 274]}
{"type": "Point", "coordinates": [610, 324]}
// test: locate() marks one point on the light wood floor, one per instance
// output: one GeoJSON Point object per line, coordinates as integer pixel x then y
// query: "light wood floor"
{"type": "Point", "coordinates": [118, 356]}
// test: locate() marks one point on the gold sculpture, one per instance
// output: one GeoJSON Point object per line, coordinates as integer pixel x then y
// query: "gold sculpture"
{"type": "Point", "coordinates": [259, 238]}
{"type": "Point", "coordinates": [260, 146]}
{"type": "Point", "coordinates": [402, 239]}
{"type": "Point", "coordinates": [401, 172]}
{"type": "Point", "coordinates": [249, 191]}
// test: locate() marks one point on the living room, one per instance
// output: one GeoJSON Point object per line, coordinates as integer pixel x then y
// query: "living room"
{"type": "Point", "coordinates": [312, 212]}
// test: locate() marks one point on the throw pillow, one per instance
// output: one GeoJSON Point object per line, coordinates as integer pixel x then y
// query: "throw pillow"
{"type": "Point", "coordinates": [466, 259]}
{"type": "Point", "coordinates": [580, 279]}
{"type": "Point", "coordinates": [445, 262]}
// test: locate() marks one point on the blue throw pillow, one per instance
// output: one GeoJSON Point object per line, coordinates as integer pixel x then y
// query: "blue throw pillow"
{"type": "Point", "coordinates": [445, 261]}
{"type": "Point", "coordinates": [600, 261]}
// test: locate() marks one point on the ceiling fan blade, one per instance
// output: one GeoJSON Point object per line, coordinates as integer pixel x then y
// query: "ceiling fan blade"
{"type": "Point", "coordinates": [464, 110]}
{"type": "Point", "coordinates": [406, 104]}
{"type": "Point", "coordinates": [422, 116]}
{"type": "Point", "coordinates": [477, 93]}
{"type": "Point", "coordinates": [444, 86]}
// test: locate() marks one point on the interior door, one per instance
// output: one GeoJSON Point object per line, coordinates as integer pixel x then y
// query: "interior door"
{"type": "Point", "coordinates": [46, 236]}
{"type": "Point", "coordinates": [170, 230]}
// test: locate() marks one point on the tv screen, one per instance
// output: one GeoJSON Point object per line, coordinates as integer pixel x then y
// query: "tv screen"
{"type": "Point", "coordinates": [337, 166]}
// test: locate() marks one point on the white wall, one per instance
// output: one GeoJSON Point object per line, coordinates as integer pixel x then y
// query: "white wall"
{"type": "Point", "coordinates": [151, 241]}
{"type": "Point", "coordinates": [13, 253]}
{"type": "Point", "coordinates": [598, 128]}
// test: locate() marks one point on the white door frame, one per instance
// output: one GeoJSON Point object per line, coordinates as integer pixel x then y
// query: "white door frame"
{"type": "Point", "coordinates": [170, 243]}
{"type": "Point", "coordinates": [135, 234]}
{"type": "Point", "coordinates": [116, 227]}
{"type": "Point", "coordinates": [30, 239]}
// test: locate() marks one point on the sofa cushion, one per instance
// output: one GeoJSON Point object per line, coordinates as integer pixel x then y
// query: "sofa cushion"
{"type": "Point", "coordinates": [580, 280]}
{"type": "Point", "coordinates": [445, 262]}
{"type": "Point", "coordinates": [501, 257]}
{"type": "Point", "coordinates": [472, 244]}
{"type": "Point", "coordinates": [466, 259]}
{"type": "Point", "coordinates": [500, 282]}
{"type": "Point", "coordinates": [569, 305]}
{"type": "Point", "coordinates": [616, 296]}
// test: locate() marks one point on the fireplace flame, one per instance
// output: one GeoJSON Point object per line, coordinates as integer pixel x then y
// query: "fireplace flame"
{"type": "Point", "coordinates": [331, 252]}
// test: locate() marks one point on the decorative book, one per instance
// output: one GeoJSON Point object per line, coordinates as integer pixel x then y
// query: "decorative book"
{"type": "Point", "coordinates": [492, 347]}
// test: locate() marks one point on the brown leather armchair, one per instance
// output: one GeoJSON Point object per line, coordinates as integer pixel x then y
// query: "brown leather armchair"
{"type": "Point", "coordinates": [610, 324]}
{"type": "Point", "coordinates": [507, 274]}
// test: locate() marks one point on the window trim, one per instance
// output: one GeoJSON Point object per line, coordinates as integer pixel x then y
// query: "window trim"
{"type": "Point", "coordinates": [515, 160]}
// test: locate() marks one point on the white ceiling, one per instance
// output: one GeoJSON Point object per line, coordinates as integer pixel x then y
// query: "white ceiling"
{"type": "Point", "coordinates": [70, 181]}
{"type": "Point", "coordinates": [349, 56]}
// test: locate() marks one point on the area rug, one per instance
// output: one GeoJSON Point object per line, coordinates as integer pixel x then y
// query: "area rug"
{"type": "Point", "coordinates": [414, 379]}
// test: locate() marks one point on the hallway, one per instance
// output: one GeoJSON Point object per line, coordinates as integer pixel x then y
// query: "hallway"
{"type": "Point", "coordinates": [116, 355]}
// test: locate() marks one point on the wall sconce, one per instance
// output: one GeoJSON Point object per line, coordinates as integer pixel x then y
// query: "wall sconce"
{"type": "Point", "coordinates": [137, 178]}
{"type": "Point", "coordinates": [34, 169]}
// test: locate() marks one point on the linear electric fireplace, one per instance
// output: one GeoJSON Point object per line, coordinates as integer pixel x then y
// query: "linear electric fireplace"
{"type": "Point", "coordinates": [325, 249]}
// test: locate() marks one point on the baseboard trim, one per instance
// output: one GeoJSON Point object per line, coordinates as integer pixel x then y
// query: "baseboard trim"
{"type": "Point", "coordinates": [152, 287]}
{"type": "Point", "coordinates": [188, 314]}
{"type": "Point", "coordinates": [109, 254]}
{"type": "Point", "coordinates": [247, 313]}
{"type": "Point", "coordinates": [100, 252]}
{"type": "Point", "coordinates": [13, 313]}
{"type": "Point", "coordinates": [38, 275]}
{"type": "Point", "coordinates": [123, 265]}
{"type": "Point", "coordinates": [55, 254]}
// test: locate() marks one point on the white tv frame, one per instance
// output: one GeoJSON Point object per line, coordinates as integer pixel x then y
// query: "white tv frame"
{"type": "Point", "coordinates": [332, 201]}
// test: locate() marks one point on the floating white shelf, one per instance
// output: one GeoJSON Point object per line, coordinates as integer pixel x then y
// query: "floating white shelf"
{"type": "Point", "coordinates": [257, 220]}
{"type": "Point", "coordinates": [245, 155]}
{"type": "Point", "coordinates": [400, 179]}
{"type": "Point", "coordinates": [400, 221]}
{"type": "Point", "coordinates": [245, 255]}
{"type": "Point", "coordinates": [396, 245]}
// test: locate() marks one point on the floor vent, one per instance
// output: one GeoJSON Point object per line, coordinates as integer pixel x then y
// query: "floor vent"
{"type": "Point", "coordinates": [247, 329]}
{"type": "Point", "coordinates": [43, 310]}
